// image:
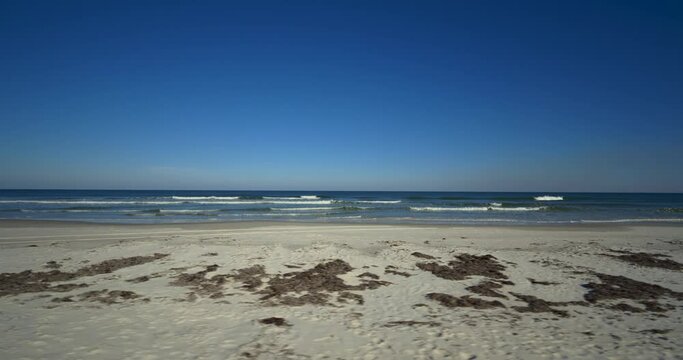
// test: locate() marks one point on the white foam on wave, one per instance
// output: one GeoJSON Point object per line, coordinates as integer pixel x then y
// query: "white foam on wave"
{"type": "Point", "coordinates": [169, 202]}
{"type": "Point", "coordinates": [306, 208]}
{"type": "Point", "coordinates": [548, 198]}
{"type": "Point", "coordinates": [302, 197]}
{"type": "Point", "coordinates": [477, 208]}
{"type": "Point", "coordinates": [285, 202]}
{"type": "Point", "coordinates": [89, 202]}
{"type": "Point", "coordinates": [377, 201]}
{"type": "Point", "coordinates": [165, 211]}
{"type": "Point", "coordinates": [205, 197]}
{"type": "Point", "coordinates": [627, 221]}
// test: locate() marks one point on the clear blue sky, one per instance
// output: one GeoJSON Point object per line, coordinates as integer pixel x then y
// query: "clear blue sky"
{"type": "Point", "coordinates": [342, 95]}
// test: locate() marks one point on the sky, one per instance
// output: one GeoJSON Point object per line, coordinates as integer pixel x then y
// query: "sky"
{"type": "Point", "coordinates": [342, 95]}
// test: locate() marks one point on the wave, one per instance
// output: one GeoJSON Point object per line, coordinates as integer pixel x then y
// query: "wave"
{"type": "Point", "coordinates": [253, 209]}
{"type": "Point", "coordinates": [305, 208]}
{"type": "Point", "coordinates": [374, 201]}
{"type": "Point", "coordinates": [215, 202]}
{"type": "Point", "coordinates": [302, 197]}
{"type": "Point", "coordinates": [284, 202]}
{"type": "Point", "coordinates": [87, 202]}
{"type": "Point", "coordinates": [548, 198]}
{"type": "Point", "coordinates": [345, 217]}
{"type": "Point", "coordinates": [167, 212]}
{"type": "Point", "coordinates": [673, 210]}
{"type": "Point", "coordinates": [478, 208]}
{"type": "Point", "coordinates": [629, 220]}
{"type": "Point", "coordinates": [205, 197]}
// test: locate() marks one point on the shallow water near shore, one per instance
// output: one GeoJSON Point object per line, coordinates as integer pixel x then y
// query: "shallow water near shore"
{"type": "Point", "coordinates": [157, 206]}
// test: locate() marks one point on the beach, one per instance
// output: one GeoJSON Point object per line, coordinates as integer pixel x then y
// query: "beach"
{"type": "Point", "coordinates": [278, 290]}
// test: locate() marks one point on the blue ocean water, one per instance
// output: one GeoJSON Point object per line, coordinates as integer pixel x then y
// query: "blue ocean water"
{"type": "Point", "coordinates": [123, 206]}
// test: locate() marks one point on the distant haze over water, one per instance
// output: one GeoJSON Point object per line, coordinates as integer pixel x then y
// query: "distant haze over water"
{"type": "Point", "coordinates": [123, 206]}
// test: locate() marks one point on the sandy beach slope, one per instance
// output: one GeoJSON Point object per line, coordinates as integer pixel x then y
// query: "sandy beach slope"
{"type": "Point", "coordinates": [331, 291]}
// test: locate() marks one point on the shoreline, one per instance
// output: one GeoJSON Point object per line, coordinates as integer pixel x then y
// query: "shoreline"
{"type": "Point", "coordinates": [257, 223]}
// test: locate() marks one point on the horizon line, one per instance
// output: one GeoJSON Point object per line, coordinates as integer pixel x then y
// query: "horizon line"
{"type": "Point", "coordinates": [385, 191]}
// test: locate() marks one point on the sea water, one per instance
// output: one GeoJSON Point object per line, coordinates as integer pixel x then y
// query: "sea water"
{"type": "Point", "coordinates": [163, 206]}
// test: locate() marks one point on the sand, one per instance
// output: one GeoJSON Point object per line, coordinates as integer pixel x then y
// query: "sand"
{"type": "Point", "coordinates": [331, 291]}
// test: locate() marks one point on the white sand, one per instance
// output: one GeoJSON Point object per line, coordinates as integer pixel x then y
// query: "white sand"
{"type": "Point", "coordinates": [168, 326]}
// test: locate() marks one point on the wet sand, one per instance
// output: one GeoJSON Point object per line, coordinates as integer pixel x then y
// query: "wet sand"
{"type": "Point", "coordinates": [302, 291]}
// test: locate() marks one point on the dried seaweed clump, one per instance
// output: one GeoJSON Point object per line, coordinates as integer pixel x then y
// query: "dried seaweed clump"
{"type": "Point", "coordinates": [200, 283]}
{"type": "Point", "coordinates": [105, 296]}
{"type": "Point", "coordinates": [112, 265]}
{"type": "Point", "coordinates": [422, 256]}
{"type": "Point", "coordinates": [647, 259]}
{"type": "Point", "coordinates": [30, 282]}
{"type": "Point", "coordinates": [620, 287]}
{"type": "Point", "coordinates": [411, 323]}
{"type": "Point", "coordinates": [537, 305]}
{"type": "Point", "coordinates": [315, 284]}
{"type": "Point", "coordinates": [487, 288]}
{"type": "Point", "coordinates": [464, 301]}
{"type": "Point", "coordinates": [466, 265]}
{"type": "Point", "coordinates": [277, 321]}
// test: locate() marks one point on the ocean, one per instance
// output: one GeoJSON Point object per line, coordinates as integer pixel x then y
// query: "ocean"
{"type": "Point", "coordinates": [505, 208]}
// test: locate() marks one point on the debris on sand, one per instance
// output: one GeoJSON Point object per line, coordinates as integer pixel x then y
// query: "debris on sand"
{"type": "Point", "coordinates": [109, 266]}
{"type": "Point", "coordinates": [646, 259]}
{"type": "Point", "coordinates": [139, 279]}
{"type": "Point", "coordinates": [108, 296]}
{"type": "Point", "coordinates": [620, 287]}
{"type": "Point", "coordinates": [369, 275]}
{"type": "Point", "coordinates": [422, 256]}
{"type": "Point", "coordinates": [625, 307]}
{"type": "Point", "coordinates": [394, 272]}
{"type": "Point", "coordinates": [539, 282]}
{"type": "Point", "coordinates": [52, 265]}
{"type": "Point", "coordinates": [200, 284]}
{"type": "Point", "coordinates": [487, 288]}
{"type": "Point", "coordinates": [315, 283]}
{"type": "Point", "coordinates": [29, 281]}
{"type": "Point", "coordinates": [537, 305]}
{"type": "Point", "coordinates": [251, 277]}
{"type": "Point", "coordinates": [349, 296]}
{"type": "Point", "coordinates": [411, 323]}
{"type": "Point", "coordinates": [656, 331]}
{"type": "Point", "coordinates": [212, 287]}
{"type": "Point", "coordinates": [464, 301]}
{"type": "Point", "coordinates": [277, 321]}
{"type": "Point", "coordinates": [466, 265]}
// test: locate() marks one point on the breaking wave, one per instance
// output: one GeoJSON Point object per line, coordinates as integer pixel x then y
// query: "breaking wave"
{"type": "Point", "coordinates": [548, 198]}
{"type": "Point", "coordinates": [302, 197]}
{"type": "Point", "coordinates": [305, 209]}
{"type": "Point", "coordinates": [205, 197]}
{"type": "Point", "coordinates": [477, 208]}
{"type": "Point", "coordinates": [376, 201]}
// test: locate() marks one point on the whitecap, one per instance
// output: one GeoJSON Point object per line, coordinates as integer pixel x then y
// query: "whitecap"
{"type": "Point", "coordinates": [477, 208]}
{"type": "Point", "coordinates": [548, 198]}
{"type": "Point", "coordinates": [306, 208]}
{"type": "Point", "coordinates": [205, 197]}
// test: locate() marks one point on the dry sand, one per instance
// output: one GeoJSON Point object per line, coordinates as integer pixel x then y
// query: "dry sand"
{"type": "Point", "coordinates": [330, 291]}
